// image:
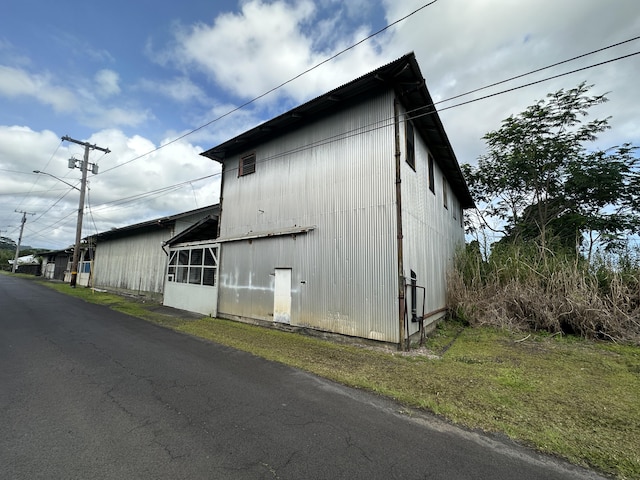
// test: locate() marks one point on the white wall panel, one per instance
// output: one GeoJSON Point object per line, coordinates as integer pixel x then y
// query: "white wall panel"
{"type": "Point", "coordinates": [343, 271]}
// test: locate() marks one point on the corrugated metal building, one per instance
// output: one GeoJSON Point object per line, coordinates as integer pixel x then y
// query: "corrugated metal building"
{"type": "Point", "coordinates": [131, 259]}
{"type": "Point", "coordinates": [342, 215]}
{"type": "Point", "coordinates": [56, 265]}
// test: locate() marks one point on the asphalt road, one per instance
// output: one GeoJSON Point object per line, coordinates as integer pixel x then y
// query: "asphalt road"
{"type": "Point", "coordinates": [88, 393]}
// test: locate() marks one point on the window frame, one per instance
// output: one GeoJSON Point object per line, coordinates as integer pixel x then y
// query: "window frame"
{"type": "Point", "coordinates": [247, 164]}
{"type": "Point", "coordinates": [193, 269]}
{"type": "Point", "coordinates": [410, 144]}
{"type": "Point", "coordinates": [432, 180]}
{"type": "Point", "coordinates": [445, 193]}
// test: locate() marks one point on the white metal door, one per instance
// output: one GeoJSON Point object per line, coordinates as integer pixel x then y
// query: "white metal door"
{"type": "Point", "coordinates": [282, 296]}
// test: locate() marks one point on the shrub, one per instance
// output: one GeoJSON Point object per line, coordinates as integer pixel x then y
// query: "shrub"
{"type": "Point", "coordinates": [521, 287]}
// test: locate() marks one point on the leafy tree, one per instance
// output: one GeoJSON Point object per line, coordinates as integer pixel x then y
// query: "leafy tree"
{"type": "Point", "coordinates": [541, 182]}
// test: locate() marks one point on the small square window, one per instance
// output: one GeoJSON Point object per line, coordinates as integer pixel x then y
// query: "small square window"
{"type": "Point", "coordinates": [247, 165]}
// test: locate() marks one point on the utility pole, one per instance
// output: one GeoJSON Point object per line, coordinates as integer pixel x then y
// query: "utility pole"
{"type": "Point", "coordinates": [24, 220]}
{"type": "Point", "coordinates": [84, 164]}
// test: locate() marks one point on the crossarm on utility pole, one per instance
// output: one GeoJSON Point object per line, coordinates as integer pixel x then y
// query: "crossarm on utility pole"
{"type": "Point", "coordinates": [84, 167]}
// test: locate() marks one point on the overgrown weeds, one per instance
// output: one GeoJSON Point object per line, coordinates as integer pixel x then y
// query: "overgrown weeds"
{"type": "Point", "coordinates": [519, 288]}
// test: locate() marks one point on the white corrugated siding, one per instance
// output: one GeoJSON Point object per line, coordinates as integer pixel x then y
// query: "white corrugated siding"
{"type": "Point", "coordinates": [431, 233]}
{"type": "Point", "coordinates": [343, 272]}
{"type": "Point", "coordinates": [137, 263]}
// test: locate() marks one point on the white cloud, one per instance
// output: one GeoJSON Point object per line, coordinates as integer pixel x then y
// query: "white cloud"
{"type": "Point", "coordinates": [96, 116]}
{"type": "Point", "coordinates": [238, 48]}
{"type": "Point", "coordinates": [460, 45]}
{"type": "Point", "coordinates": [107, 83]}
{"type": "Point", "coordinates": [16, 82]}
{"type": "Point", "coordinates": [463, 45]}
{"type": "Point", "coordinates": [80, 48]}
{"type": "Point", "coordinates": [180, 89]}
{"type": "Point", "coordinates": [129, 193]}
{"type": "Point", "coordinates": [266, 44]}
{"type": "Point", "coordinates": [83, 102]}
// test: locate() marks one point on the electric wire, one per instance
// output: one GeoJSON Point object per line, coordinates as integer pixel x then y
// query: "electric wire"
{"type": "Point", "coordinates": [37, 178]}
{"type": "Point", "coordinates": [255, 99]}
{"type": "Point", "coordinates": [53, 205]}
{"type": "Point", "coordinates": [93, 221]}
{"type": "Point", "coordinates": [377, 125]}
{"type": "Point", "coordinates": [384, 123]}
{"type": "Point", "coordinates": [435, 103]}
{"type": "Point", "coordinates": [538, 70]}
{"type": "Point", "coordinates": [134, 198]}
{"type": "Point", "coordinates": [542, 80]}
{"type": "Point", "coordinates": [152, 192]}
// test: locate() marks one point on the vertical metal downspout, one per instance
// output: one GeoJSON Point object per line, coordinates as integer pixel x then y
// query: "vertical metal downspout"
{"type": "Point", "coordinates": [220, 200]}
{"type": "Point", "coordinates": [218, 235]}
{"type": "Point", "coordinates": [401, 293]}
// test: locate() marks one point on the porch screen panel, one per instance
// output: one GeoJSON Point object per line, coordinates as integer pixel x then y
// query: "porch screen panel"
{"type": "Point", "coordinates": [194, 265]}
{"type": "Point", "coordinates": [210, 266]}
{"type": "Point", "coordinates": [171, 269]}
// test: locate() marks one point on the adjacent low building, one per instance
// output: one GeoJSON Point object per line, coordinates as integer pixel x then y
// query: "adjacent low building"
{"type": "Point", "coordinates": [131, 259]}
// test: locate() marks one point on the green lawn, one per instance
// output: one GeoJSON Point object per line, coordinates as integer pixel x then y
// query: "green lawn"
{"type": "Point", "coordinates": [565, 396]}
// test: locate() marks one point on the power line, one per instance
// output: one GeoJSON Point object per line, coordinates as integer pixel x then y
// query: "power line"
{"type": "Point", "coordinates": [255, 99]}
{"type": "Point", "coordinates": [538, 70]}
{"type": "Point", "coordinates": [373, 126]}
{"type": "Point", "coordinates": [47, 210]}
{"type": "Point", "coordinates": [387, 122]}
{"type": "Point", "coordinates": [46, 165]}
{"type": "Point", "coordinates": [542, 80]}
{"type": "Point", "coordinates": [436, 103]}
{"type": "Point", "coordinates": [31, 193]}
{"type": "Point", "coordinates": [384, 123]}
{"type": "Point", "coordinates": [125, 200]}
{"type": "Point", "coordinates": [151, 192]}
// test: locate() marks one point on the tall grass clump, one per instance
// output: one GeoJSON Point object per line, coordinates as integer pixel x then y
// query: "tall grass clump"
{"type": "Point", "coordinates": [521, 286]}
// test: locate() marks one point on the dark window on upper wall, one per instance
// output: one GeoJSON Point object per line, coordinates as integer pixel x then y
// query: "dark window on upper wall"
{"type": "Point", "coordinates": [410, 144]}
{"type": "Point", "coordinates": [247, 165]}
{"type": "Point", "coordinates": [445, 197]}
{"type": "Point", "coordinates": [432, 180]}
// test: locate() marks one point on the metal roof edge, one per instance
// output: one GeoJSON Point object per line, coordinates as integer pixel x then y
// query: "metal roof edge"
{"type": "Point", "coordinates": [158, 222]}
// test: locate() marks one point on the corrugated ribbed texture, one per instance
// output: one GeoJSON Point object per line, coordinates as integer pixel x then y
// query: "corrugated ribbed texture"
{"type": "Point", "coordinates": [431, 233]}
{"type": "Point", "coordinates": [136, 263]}
{"type": "Point", "coordinates": [344, 271]}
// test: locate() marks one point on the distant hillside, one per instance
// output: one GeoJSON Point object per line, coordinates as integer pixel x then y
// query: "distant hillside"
{"type": "Point", "coordinates": [7, 243]}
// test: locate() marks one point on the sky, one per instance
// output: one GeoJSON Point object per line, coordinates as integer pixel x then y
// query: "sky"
{"type": "Point", "coordinates": [159, 82]}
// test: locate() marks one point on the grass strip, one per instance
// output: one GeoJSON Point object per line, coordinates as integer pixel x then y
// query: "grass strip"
{"type": "Point", "coordinates": [564, 396]}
